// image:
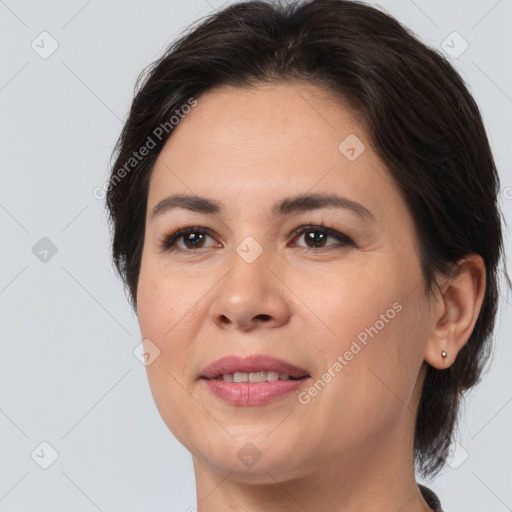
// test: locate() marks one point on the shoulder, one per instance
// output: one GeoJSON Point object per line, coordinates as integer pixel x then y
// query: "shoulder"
{"type": "Point", "coordinates": [431, 498]}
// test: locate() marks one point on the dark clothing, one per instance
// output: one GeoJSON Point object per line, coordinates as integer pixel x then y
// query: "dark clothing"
{"type": "Point", "coordinates": [431, 498]}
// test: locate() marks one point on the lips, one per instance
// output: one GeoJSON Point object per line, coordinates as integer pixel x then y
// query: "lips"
{"type": "Point", "coordinates": [250, 380]}
{"type": "Point", "coordinates": [230, 365]}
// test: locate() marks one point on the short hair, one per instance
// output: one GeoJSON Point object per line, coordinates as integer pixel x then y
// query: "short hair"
{"type": "Point", "coordinates": [421, 121]}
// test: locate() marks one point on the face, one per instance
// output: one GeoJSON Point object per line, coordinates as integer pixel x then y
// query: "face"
{"type": "Point", "coordinates": [334, 289]}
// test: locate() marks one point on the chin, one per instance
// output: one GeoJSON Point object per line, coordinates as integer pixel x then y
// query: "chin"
{"type": "Point", "coordinates": [257, 458]}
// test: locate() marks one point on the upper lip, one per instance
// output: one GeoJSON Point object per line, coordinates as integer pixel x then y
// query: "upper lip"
{"type": "Point", "coordinates": [251, 363]}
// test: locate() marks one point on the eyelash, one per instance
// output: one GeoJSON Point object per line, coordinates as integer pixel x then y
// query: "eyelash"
{"type": "Point", "coordinates": [167, 242]}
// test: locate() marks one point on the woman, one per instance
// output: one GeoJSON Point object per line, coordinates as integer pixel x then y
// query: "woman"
{"type": "Point", "coordinates": [304, 211]}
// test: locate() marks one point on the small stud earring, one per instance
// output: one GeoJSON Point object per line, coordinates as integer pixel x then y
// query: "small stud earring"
{"type": "Point", "coordinates": [443, 354]}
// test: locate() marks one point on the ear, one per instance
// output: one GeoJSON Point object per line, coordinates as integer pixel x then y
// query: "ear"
{"type": "Point", "coordinates": [455, 311]}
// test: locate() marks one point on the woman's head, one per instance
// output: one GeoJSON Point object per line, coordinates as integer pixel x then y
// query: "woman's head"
{"type": "Point", "coordinates": [254, 109]}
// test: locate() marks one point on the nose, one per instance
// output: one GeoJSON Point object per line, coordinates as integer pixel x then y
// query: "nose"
{"type": "Point", "coordinates": [251, 295]}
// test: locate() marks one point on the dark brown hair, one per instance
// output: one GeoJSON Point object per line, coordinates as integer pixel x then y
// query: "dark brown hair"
{"type": "Point", "coordinates": [421, 120]}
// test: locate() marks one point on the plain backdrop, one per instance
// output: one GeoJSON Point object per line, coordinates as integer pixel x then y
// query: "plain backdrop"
{"type": "Point", "coordinates": [73, 395]}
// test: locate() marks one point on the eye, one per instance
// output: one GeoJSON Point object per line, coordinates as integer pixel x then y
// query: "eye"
{"type": "Point", "coordinates": [192, 237]}
{"type": "Point", "coordinates": [317, 236]}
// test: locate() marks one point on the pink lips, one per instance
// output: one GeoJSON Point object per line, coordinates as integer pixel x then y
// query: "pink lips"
{"type": "Point", "coordinates": [246, 393]}
{"type": "Point", "coordinates": [251, 363]}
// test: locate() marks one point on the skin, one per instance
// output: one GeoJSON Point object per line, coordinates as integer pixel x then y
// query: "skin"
{"type": "Point", "coordinates": [350, 447]}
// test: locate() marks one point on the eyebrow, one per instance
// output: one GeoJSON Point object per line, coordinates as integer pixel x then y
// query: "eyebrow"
{"type": "Point", "coordinates": [283, 207]}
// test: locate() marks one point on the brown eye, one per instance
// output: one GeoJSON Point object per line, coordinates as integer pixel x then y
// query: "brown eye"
{"type": "Point", "coordinates": [193, 238]}
{"type": "Point", "coordinates": [316, 237]}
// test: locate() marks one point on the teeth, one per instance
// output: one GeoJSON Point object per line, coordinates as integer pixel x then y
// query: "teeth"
{"type": "Point", "coordinates": [258, 377]}
{"type": "Point", "coordinates": [272, 376]}
{"type": "Point", "coordinates": [240, 377]}
{"type": "Point", "coordinates": [262, 376]}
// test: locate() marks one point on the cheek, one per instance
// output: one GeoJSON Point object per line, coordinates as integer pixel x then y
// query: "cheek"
{"type": "Point", "coordinates": [372, 341]}
{"type": "Point", "coordinates": [162, 315]}
{"type": "Point", "coordinates": [352, 302]}
{"type": "Point", "coordinates": [163, 305]}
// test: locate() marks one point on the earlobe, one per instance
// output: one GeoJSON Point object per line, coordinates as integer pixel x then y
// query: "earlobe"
{"type": "Point", "coordinates": [455, 312]}
{"type": "Point", "coordinates": [438, 357]}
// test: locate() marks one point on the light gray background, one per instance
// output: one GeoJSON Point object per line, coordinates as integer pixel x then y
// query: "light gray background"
{"type": "Point", "coordinates": [68, 375]}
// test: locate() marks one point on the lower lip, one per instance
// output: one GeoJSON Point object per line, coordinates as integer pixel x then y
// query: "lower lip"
{"type": "Point", "coordinates": [256, 393]}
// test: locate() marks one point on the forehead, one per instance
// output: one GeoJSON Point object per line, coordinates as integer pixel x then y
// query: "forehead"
{"type": "Point", "coordinates": [265, 142]}
{"type": "Point", "coordinates": [266, 120]}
